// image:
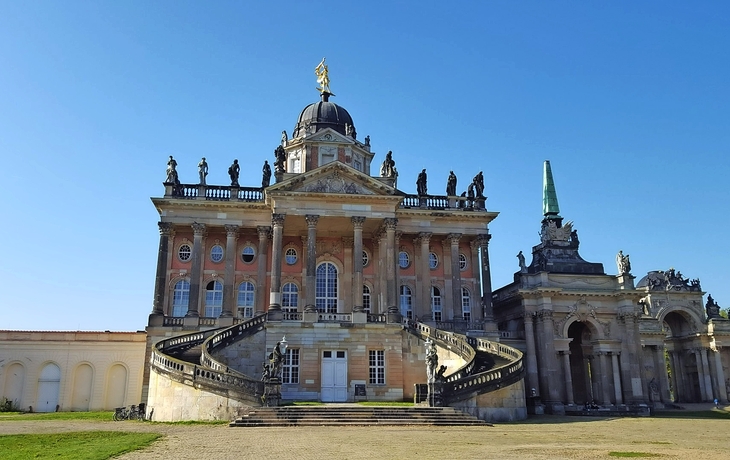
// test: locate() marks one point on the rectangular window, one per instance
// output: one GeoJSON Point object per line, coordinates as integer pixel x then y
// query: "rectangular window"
{"type": "Point", "coordinates": [377, 367]}
{"type": "Point", "coordinates": [290, 370]}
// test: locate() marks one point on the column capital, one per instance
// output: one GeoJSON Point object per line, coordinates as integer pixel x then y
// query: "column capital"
{"type": "Point", "coordinates": [348, 241]}
{"type": "Point", "coordinates": [453, 238]}
{"type": "Point", "coordinates": [424, 237]}
{"type": "Point", "coordinates": [528, 315]}
{"type": "Point", "coordinates": [312, 220]}
{"type": "Point", "coordinates": [398, 234]}
{"type": "Point", "coordinates": [198, 229]}
{"type": "Point", "coordinates": [263, 231]}
{"type": "Point", "coordinates": [277, 220]}
{"type": "Point", "coordinates": [358, 221]}
{"type": "Point", "coordinates": [545, 314]}
{"type": "Point", "coordinates": [483, 239]}
{"type": "Point", "coordinates": [390, 223]}
{"type": "Point", "coordinates": [232, 231]}
{"type": "Point", "coordinates": [165, 228]}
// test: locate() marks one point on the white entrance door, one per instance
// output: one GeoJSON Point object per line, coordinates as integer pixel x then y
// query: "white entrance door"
{"type": "Point", "coordinates": [49, 384]}
{"type": "Point", "coordinates": [334, 376]}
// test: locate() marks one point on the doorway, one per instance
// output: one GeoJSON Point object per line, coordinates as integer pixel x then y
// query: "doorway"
{"type": "Point", "coordinates": [334, 376]}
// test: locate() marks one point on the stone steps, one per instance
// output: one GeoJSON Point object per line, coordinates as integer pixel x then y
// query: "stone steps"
{"type": "Point", "coordinates": [355, 415]}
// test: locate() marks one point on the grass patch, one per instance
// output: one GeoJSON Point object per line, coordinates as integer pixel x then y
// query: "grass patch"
{"type": "Point", "coordinates": [632, 454]}
{"type": "Point", "coordinates": [307, 403]}
{"type": "Point", "coordinates": [99, 415]}
{"type": "Point", "coordinates": [651, 442]}
{"type": "Point", "coordinates": [386, 403]}
{"type": "Point", "coordinates": [196, 422]}
{"type": "Point", "coordinates": [87, 445]}
{"type": "Point", "coordinates": [711, 414]}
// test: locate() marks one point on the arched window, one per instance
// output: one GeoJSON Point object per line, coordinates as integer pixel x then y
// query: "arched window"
{"type": "Point", "coordinates": [404, 259]}
{"type": "Point", "coordinates": [366, 298]}
{"type": "Point", "coordinates": [433, 260]}
{"type": "Point", "coordinates": [213, 299]}
{"type": "Point", "coordinates": [466, 304]}
{"type": "Point", "coordinates": [247, 254]}
{"type": "Point", "coordinates": [245, 302]}
{"type": "Point", "coordinates": [291, 256]}
{"type": "Point", "coordinates": [462, 262]}
{"type": "Point", "coordinates": [180, 298]}
{"type": "Point", "coordinates": [289, 297]}
{"type": "Point", "coordinates": [406, 302]}
{"type": "Point", "coordinates": [326, 288]}
{"type": "Point", "coordinates": [436, 303]}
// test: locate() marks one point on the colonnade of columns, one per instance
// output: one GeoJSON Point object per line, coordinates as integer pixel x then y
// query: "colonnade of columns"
{"type": "Point", "coordinates": [710, 381]}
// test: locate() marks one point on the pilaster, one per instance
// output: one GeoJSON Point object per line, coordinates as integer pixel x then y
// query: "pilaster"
{"type": "Point", "coordinates": [196, 270]}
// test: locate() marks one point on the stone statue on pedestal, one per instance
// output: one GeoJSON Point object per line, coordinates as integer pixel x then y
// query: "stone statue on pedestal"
{"type": "Point", "coordinates": [233, 171]}
{"type": "Point", "coordinates": [451, 184]}
{"type": "Point", "coordinates": [421, 186]}
{"type": "Point", "coordinates": [171, 171]}
{"type": "Point", "coordinates": [203, 170]}
{"type": "Point", "coordinates": [623, 263]}
{"type": "Point", "coordinates": [266, 171]}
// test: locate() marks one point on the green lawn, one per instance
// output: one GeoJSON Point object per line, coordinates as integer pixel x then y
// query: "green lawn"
{"type": "Point", "coordinates": [100, 415]}
{"type": "Point", "coordinates": [715, 413]}
{"type": "Point", "coordinates": [88, 445]}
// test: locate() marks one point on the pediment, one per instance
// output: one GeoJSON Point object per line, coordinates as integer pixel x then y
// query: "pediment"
{"type": "Point", "coordinates": [334, 177]}
{"type": "Point", "coordinates": [329, 135]}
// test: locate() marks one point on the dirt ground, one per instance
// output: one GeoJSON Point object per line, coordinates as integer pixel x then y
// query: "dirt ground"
{"type": "Point", "coordinates": [543, 437]}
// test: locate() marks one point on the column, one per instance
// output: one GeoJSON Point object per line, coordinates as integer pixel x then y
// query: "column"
{"type": "Point", "coordinates": [661, 364]}
{"type": "Point", "coordinates": [391, 293]}
{"type": "Point", "coordinates": [548, 359]}
{"type": "Point", "coordinates": [533, 381]}
{"type": "Point", "coordinates": [161, 275]}
{"type": "Point", "coordinates": [264, 233]}
{"type": "Point", "coordinates": [380, 283]}
{"type": "Point", "coordinates": [700, 375]}
{"type": "Point", "coordinates": [455, 274]}
{"type": "Point", "coordinates": [196, 269]}
{"type": "Point", "coordinates": [720, 375]}
{"type": "Point", "coordinates": [487, 277]}
{"type": "Point", "coordinates": [706, 374]}
{"type": "Point", "coordinates": [616, 380]}
{"type": "Point", "coordinates": [568, 377]}
{"type": "Point", "coordinates": [450, 312]}
{"type": "Point", "coordinates": [425, 308]}
{"type": "Point", "coordinates": [357, 287]}
{"type": "Point", "coordinates": [603, 378]}
{"type": "Point", "coordinates": [310, 305]}
{"type": "Point", "coordinates": [631, 358]}
{"type": "Point", "coordinates": [277, 224]}
{"type": "Point", "coordinates": [476, 310]}
{"type": "Point", "coordinates": [229, 292]}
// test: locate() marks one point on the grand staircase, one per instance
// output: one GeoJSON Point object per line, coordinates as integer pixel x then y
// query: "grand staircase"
{"type": "Point", "coordinates": [353, 415]}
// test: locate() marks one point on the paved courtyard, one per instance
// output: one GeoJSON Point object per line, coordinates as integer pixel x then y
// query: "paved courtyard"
{"type": "Point", "coordinates": [538, 438]}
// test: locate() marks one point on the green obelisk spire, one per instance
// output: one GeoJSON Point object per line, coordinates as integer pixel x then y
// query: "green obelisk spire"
{"type": "Point", "coordinates": [550, 208]}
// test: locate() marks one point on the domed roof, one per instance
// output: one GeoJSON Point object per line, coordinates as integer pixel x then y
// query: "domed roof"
{"type": "Point", "coordinates": [321, 115]}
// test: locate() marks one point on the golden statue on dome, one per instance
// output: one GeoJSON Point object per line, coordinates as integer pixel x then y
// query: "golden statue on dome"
{"type": "Point", "coordinates": [323, 77]}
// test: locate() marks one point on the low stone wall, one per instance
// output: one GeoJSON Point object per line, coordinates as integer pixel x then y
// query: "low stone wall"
{"type": "Point", "coordinates": [504, 405]}
{"type": "Point", "coordinates": [173, 401]}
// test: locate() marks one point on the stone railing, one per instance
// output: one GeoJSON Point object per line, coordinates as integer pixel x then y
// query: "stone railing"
{"type": "Point", "coordinates": [292, 316]}
{"type": "Point", "coordinates": [460, 325]}
{"type": "Point", "coordinates": [334, 317]}
{"type": "Point", "coordinates": [214, 192]}
{"type": "Point", "coordinates": [180, 321]}
{"type": "Point", "coordinates": [210, 375]}
{"type": "Point", "coordinates": [377, 318]}
{"type": "Point", "coordinates": [477, 376]}
{"type": "Point", "coordinates": [443, 202]}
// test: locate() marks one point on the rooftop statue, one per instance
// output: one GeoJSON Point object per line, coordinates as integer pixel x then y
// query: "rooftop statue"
{"type": "Point", "coordinates": [266, 171]}
{"type": "Point", "coordinates": [478, 182]}
{"type": "Point", "coordinates": [387, 169]}
{"type": "Point", "coordinates": [202, 170]}
{"type": "Point", "coordinates": [451, 184]}
{"type": "Point", "coordinates": [623, 263]}
{"type": "Point", "coordinates": [233, 171]}
{"type": "Point", "coordinates": [323, 77]}
{"type": "Point", "coordinates": [284, 138]}
{"type": "Point", "coordinates": [712, 308]}
{"type": "Point", "coordinates": [171, 171]}
{"type": "Point", "coordinates": [280, 163]}
{"type": "Point", "coordinates": [367, 140]}
{"type": "Point", "coordinates": [421, 187]}
{"type": "Point", "coordinates": [521, 259]}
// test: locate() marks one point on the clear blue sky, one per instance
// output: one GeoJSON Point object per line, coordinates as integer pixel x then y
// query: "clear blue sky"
{"type": "Point", "coordinates": [629, 101]}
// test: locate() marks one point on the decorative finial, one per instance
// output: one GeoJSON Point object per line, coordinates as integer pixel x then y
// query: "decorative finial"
{"type": "Point", "coordinates": [550, 208]}
{"type": "Point", "coordinates": [323, 78]}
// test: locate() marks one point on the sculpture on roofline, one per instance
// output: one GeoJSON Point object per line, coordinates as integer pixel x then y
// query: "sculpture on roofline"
{"type": "Point", "coordinates": [266, 172]}
{"type": "Point", "coordinates": [284, 138]}
{"type": "Point", "coordinates": [623, 263]}
{"type": "Point", "coordinates": [478, 182]}
{"type": "Point", "coordinates": [367, 140]}
{"type": "Point", "coordinates": [421, 186]}
{"type": "Point", "coordinates": [521, 259]}
{"type": "Point", "coordinates": [233, 172]}
{"type": "Point", "coordinates": [387, 169]}
{"type": "Point", "coordinates": [323, 77]}
{"type": "Point", "coordinates": [451, 184]}
{"type": "Point", "coordinates": [171, 171]}
{"type": "Point", "coordinates": [280, 163]}
{"type": "Point", "coordinates": [203, 170]}
{"type": "Point", "coordinates": [712, 308]}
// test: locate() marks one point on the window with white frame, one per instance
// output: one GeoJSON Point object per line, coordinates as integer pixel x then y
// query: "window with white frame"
{"type": "Point", "coordinates": [404, 260]}
{"type": "Point", "coordinates": [466, 304]}
{"type": "Point", "coordinates": [289, 298]}
{"type": "Point", "coordinates": [213, 299]}
{"type": "Point", "coordinates": [246, 298]}
{"type": "Point", "coordinates": [433, 260]}
{"type": "Point", "coordinates": [184, 252]}
{"type": "Point", "coordinates": [406, 302]}
{"type": "Point", "coordinates": [216, 253]}
{"type": "Point", "coordinates": [462, 262]}
{"type": "Point", "coordinates": [366, 298]}
{"type": "Point", "coordinates": [290, 256]}
{"type": "Point", "coordinates": [180, 298]}
{"type": "Point", "coordinates": [248, 254]}
{"type": "Point", "coordinates": [365, 258]}
{"type": "Point", "coordinates": [436, 303]}
{"type": "Point", "coordinates": [326, 288]}
{"type": "Point", "coordinates": [377, 367]}
{"type": "Point", "coordinates": [290, 369]}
